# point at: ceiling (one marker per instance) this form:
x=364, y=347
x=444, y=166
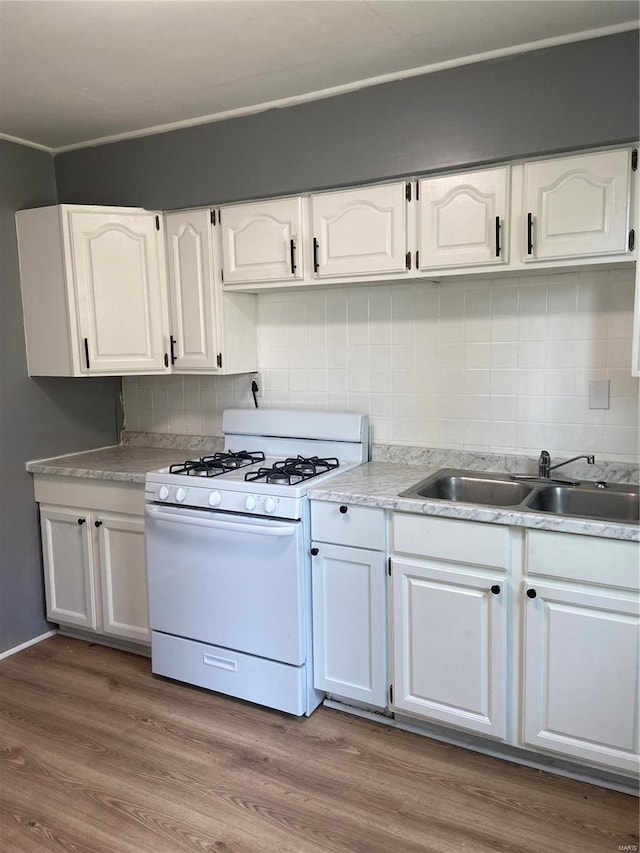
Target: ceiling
x=77, y=71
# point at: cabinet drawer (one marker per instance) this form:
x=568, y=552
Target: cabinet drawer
x=583, y=558
x=450, y=539
x=345, y=524
x=266, y=682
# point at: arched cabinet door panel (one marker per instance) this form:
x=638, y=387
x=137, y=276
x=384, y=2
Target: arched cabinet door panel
x=262, y=241
x=194, y=343
x=577, y=206
x=464, y=219
x=119, y=277
x=360, y=232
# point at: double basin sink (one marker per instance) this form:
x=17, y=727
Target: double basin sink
x=600, y=501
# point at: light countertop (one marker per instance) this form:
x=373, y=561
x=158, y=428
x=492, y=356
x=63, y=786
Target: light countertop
x=375, y=484
x=378, y=484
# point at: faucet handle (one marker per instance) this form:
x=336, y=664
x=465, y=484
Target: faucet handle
x=544, y=456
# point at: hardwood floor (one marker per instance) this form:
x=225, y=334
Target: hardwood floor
x=99, y=755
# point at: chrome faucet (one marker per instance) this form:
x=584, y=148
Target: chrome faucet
x=545, y=468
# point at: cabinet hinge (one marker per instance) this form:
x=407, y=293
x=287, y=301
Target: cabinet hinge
x=391, y=694
x=408, y=260
x=389, y=566
x=219, y=359
x=632, y=239
x=407, y=192
x=634, y=160
x=213, y=217
x=157, y=223
x=417, y=190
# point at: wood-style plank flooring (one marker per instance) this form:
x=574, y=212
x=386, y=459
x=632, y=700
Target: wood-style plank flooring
x=99, y=755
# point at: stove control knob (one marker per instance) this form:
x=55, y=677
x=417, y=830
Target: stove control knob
x=163, y=493
x=269, y=505
x=215, y=498
x=180, y=494
x=250, y=502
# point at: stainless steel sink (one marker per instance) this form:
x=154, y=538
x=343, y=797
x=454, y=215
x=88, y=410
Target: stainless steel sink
x=476, y=487
x=613, y=503
x=604, y=502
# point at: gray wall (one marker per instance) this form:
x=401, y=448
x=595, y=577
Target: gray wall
x=38, y=417
x=562, y=98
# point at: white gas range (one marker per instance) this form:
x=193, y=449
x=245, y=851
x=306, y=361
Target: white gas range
x=228, y=563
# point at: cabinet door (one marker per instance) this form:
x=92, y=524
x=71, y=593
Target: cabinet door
x=581, y=674
x=123, y=576
x=361, y=231
x=68, y=567
x=449, y=658
x=191, y=290
x=349, y=618
x=261, y=241
x=119, y=280
x=577, y=206
x=463, y=219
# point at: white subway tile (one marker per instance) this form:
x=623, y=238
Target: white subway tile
x=338, y=357
x=504, y=381
x=621, y=440
x=338, y=380
x=531, y=382
x=359, y=357
x=477, y=356
x=503, y=355
x=358, y=380
x=504, y=302
x=476, y=381
x=451, y=356
x=623, y=411
x=503, y=408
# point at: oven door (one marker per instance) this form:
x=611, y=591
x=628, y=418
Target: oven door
x=228, y=580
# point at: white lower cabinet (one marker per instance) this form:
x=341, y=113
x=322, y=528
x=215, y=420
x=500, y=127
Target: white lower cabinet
x=582, y=648
x=349, y=603
x=94, y=557
x=581, y=674
x=449, y=646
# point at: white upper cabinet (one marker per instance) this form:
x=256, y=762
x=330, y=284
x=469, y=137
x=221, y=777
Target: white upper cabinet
x=211, y=331
x=360, y=232
x=463, y=219
x=93, y=290
x=577, y=206
x=262, y=241
x=194, y=344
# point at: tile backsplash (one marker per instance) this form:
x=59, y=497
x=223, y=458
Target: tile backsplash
x=500, y=365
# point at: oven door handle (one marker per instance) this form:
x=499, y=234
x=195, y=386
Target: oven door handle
x=183, y=517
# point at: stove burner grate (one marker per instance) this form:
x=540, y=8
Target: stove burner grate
x=216, y=464
x=293, y=470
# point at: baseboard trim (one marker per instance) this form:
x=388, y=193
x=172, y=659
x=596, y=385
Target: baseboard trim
x=26, y=645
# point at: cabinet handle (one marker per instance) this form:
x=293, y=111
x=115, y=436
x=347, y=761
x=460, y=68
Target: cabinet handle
x=172, y=343
x=86, y=352
x=531, y=593
x=292, y=252
x=497, y=236
x=529, y=233
x=316, y=265
x=344, y=509
x=82, y=520
x=495, y=589
x=315, y=552
x=98, y=523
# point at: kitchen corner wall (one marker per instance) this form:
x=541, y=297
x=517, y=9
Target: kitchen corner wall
x=499, y=365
